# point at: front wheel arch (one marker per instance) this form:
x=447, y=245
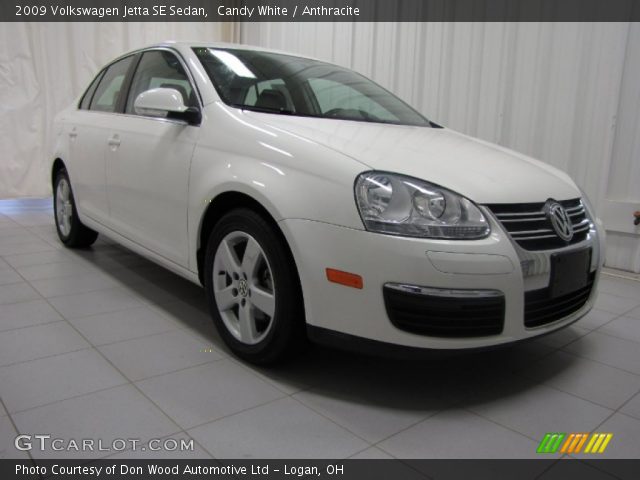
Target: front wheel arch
x=220, y=206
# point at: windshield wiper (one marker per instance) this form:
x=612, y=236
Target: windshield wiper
x=253, y=108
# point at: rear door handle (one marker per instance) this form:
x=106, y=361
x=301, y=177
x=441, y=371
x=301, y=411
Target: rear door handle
x=114, y=141
x=73, y=133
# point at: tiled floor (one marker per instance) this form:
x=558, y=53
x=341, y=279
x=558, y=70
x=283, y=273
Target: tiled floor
x=103, y=344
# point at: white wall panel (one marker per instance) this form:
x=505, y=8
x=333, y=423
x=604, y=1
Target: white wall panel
x=44, y=66
x=566, y=93
x=623, y=181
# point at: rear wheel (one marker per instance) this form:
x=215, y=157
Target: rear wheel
x=70, y=229
x=253, y=289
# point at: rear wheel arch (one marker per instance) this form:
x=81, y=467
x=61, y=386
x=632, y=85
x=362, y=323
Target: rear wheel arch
x=58, y=164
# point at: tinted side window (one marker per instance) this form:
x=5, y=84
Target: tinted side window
x=332, y=95
x=88, y=94
x=160, y=69
x=275, y=88
x=106, y=95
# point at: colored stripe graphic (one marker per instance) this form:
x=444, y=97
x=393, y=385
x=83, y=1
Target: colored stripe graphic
x=573, y=442
x=598, y=443
x=551, y=442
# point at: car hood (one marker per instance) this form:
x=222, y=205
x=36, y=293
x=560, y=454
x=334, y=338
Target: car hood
x=479, y=170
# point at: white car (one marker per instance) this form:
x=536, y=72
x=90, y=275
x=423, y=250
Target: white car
x=312, y=203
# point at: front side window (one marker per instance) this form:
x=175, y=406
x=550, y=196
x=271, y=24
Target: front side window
x=160, y=69
x=105, y=97
x=284, y=84
x=335, y=97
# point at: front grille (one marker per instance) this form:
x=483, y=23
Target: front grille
x=530, y=228
x=540, y=309
x=445, y=315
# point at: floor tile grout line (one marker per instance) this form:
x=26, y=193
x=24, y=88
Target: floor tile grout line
x=535, y=440
x=343, y=427
x=244, y=410
x=182, y=369
x=543, y=383
x=461, y=404
x=128, y=380
x=616, y=412
x=264, y=378
x=378, y=443
x=552, y=387
x=616, y=316
x=608, y=334
x=176, y=328
x=369, y=444
x=15, y=427
x=188, y=329
x=116, y=368
x=604, y=363
x=619, y=409
x=73, y=397
x=47, y=356
x=35, y=325
x=563, y=347
x=619, y=276
x=616, y=313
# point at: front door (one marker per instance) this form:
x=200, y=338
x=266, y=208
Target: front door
x=147, y=163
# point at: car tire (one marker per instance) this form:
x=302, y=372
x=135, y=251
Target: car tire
x=70, y=229
x=253, y=289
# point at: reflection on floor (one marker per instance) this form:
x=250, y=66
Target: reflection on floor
x=101, y=343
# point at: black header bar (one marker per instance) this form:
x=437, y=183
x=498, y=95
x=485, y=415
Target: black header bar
x=320, y=10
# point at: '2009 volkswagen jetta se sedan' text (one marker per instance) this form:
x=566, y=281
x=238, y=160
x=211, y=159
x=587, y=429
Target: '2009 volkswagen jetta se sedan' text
x=312, y=203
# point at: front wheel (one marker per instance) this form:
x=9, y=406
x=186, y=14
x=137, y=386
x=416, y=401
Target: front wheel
x=253, y=289
x=70, y=229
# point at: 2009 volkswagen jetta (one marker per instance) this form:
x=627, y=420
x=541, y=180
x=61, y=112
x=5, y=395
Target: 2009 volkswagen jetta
x=312, y=203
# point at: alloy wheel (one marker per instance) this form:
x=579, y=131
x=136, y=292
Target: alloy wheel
x=243, y=287
x=64, y=207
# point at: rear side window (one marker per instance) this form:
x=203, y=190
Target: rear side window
x=105, y=97
x=160, y=69
x=88, y=95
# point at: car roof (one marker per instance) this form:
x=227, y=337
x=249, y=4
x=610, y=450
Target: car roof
x=231, y=46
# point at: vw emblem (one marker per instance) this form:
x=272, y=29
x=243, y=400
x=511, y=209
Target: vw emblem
x=559, y=219
x=243, y=288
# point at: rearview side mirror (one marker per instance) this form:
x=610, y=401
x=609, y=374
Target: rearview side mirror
x=165, y=103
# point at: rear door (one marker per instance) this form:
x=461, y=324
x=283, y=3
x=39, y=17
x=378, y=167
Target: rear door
x=88, y=137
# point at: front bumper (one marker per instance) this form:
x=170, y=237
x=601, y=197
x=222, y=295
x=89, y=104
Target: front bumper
x=494, y=263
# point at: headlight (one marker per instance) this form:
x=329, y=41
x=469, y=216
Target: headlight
x=591, y=213
x=399, y=205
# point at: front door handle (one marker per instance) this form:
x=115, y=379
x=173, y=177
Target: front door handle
x=73, y=133
x=114, y=141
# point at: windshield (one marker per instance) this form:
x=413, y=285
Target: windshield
x=288, y=85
